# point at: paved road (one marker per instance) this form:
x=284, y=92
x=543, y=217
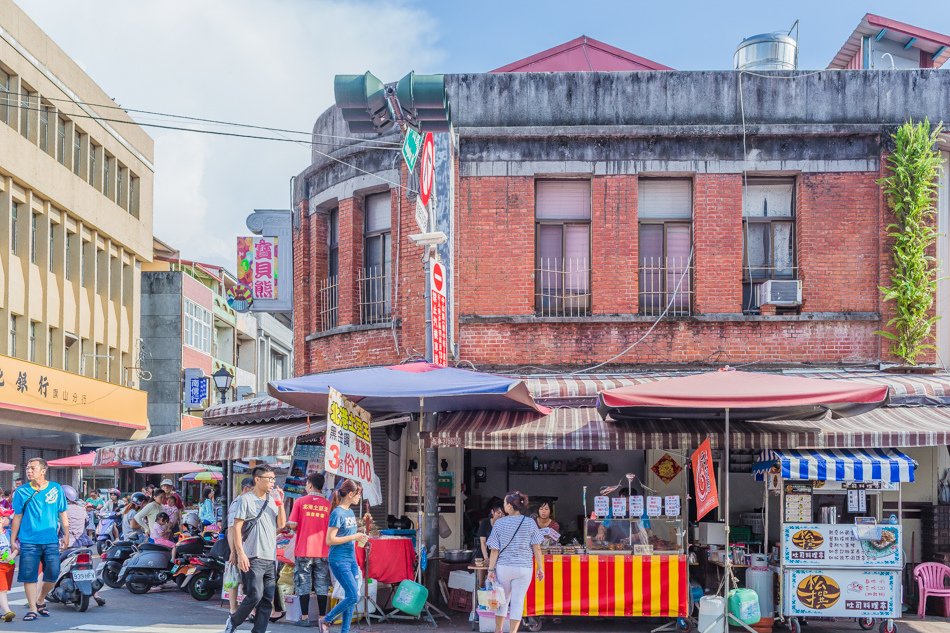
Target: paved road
x=171, y=611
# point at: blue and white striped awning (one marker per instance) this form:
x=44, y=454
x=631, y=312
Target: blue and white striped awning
x=872, y=464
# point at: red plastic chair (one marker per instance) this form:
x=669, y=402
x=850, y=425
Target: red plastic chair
x=932, y=582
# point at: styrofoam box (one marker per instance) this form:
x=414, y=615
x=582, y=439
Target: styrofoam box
x=464, y=580
x=486, y=623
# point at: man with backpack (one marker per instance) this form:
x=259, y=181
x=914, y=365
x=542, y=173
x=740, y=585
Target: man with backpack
x=258, y=516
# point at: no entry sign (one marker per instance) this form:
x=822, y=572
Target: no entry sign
x=440, y=345
x=427, y=169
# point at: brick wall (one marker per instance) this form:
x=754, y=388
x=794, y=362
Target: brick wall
x=841, y=256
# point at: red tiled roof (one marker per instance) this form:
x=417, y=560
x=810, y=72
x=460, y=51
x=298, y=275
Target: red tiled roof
x=581, y=54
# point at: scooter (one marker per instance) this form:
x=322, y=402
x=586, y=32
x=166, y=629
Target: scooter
x=206, y=579
x=105, y=531
x=77, y=580
x=115, y=555
x=151, y=566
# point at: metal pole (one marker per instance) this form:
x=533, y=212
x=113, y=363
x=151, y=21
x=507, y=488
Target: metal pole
x=728, y=584
x=431, y=469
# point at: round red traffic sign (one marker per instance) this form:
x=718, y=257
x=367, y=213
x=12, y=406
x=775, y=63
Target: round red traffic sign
x=438, y=276
x=427, y=169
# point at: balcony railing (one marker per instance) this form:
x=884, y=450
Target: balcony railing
x=328, y=303
x=375, y=301
x=562, y=287
x=666, y=281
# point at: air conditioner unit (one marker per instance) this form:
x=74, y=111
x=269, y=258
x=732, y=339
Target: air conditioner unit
x=781, y=292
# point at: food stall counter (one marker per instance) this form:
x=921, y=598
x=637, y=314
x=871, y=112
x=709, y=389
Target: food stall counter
x=610, y=585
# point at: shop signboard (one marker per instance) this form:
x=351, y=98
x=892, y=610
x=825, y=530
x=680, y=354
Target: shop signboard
x=704, y=480
x=197, y=388
x=438, y=298
x=349, y=449
x=842, y=593
x=836, y=545
x=257, y=266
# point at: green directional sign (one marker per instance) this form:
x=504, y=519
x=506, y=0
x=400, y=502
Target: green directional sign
x=411, y=145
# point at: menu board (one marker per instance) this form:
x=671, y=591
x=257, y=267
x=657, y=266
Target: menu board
x=601, y=506
x=654, y=506
x=848, y=593
x=636, y=506
x=816, y=544
x=671, y=506
x=857, y=501
x=798, y=508
x=619, y=506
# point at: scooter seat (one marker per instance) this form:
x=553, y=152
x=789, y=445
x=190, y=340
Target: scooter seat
x=153, y=547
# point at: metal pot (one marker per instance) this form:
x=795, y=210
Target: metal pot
x=458, y=555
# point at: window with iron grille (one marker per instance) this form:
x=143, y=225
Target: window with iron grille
x=768, y=235
x=329, y=286
x=562, y=247
x=374, y=281
x=665, y=215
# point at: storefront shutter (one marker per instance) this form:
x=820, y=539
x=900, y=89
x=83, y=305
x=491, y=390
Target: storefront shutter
x=381, y=457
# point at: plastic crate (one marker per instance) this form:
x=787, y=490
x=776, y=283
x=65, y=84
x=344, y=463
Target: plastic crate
x=460, y=600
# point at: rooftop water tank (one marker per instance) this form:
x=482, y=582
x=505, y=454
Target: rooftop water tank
x=768, y=51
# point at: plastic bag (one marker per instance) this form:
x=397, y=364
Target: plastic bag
x=285, y=580
x=232, y=576
x=492, y=597
x=339, y=593
x=289, y=549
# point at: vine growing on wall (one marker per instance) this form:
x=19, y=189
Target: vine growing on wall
x=910, y=188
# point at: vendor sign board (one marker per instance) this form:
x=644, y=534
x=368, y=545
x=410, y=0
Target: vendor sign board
x=636, y=506
x=602, y=506
x=654, y=506
x=704, y=480
x=307, y=458
x=349, y=449
x=848, y=593
x=815, y=544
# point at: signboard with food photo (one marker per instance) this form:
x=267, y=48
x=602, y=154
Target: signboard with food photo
x=849, y=593
x=839, y=545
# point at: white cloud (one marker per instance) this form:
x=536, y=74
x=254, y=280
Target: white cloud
x=266, y=63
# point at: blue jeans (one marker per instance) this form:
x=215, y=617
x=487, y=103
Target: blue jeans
x=31, y=555
x=345, y=571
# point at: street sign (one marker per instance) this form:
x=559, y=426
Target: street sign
x=410, y=147
x=422, y=216
x=437, y=283
x=427, y=170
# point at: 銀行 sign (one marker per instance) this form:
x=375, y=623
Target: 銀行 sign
x=257, y=265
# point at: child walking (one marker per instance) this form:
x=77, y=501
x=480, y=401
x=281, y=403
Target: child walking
x=6, y=566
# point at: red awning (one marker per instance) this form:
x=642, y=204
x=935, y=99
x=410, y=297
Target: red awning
x=748, y=396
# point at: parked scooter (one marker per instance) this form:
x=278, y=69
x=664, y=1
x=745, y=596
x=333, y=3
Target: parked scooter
x=206, y=579
x=151, y=566
x=112, y=560
x=77, y=580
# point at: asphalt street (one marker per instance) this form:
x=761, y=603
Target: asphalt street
x=169, y=611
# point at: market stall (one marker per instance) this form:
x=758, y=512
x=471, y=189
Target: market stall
x=836, y=569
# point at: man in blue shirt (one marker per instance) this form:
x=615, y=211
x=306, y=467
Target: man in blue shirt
x=39, y=508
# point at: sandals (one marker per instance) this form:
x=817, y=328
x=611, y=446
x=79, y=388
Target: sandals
x=324, y=627
x=30, y=616
x=42, y=610
x=8, y=616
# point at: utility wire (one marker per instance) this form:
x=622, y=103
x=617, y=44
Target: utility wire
x=216, y=121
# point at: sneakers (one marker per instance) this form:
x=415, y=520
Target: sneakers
x=228, y=626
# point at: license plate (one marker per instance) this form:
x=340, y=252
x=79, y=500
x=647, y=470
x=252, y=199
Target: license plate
x=84, y=574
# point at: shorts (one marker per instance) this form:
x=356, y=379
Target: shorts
x=311, y=575
x=31, y=555
x=6, y=576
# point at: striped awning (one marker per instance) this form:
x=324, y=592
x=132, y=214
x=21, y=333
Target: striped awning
x=214, y=443
x=888, y=426
x=252, y=411
x=876, y=464
x=584, y=429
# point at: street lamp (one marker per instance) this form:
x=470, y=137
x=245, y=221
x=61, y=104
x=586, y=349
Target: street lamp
x=222, y=381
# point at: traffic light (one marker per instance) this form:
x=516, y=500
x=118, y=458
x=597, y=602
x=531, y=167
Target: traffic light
x=423, y=101
x=363, y=101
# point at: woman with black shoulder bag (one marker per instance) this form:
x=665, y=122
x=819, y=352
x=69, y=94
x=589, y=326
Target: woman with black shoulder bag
x=515, y=544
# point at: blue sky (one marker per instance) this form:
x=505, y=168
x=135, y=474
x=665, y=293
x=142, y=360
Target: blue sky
x=685, y=35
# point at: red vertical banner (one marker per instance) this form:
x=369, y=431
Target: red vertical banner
x=704, y=479
x=438, y=278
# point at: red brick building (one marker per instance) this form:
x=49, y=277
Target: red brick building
x=626, y=218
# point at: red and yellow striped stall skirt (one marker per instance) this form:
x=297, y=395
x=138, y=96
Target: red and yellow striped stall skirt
x=611, y=586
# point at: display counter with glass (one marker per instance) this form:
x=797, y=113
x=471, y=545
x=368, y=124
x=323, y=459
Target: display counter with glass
x=638, y=535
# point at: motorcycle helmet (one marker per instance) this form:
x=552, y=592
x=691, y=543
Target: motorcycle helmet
x=139, y=499
x=71, y=495
x=115, y=491
x=192, y=521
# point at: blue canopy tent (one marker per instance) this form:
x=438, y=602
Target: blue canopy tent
x=408, y=388
x=879, y=464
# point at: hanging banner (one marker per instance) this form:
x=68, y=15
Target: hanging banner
x=704, y=480
x=257, y=266
x=349, y=449
x=307, y=458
